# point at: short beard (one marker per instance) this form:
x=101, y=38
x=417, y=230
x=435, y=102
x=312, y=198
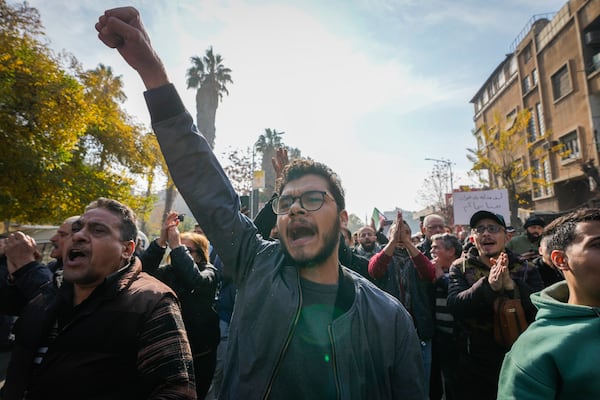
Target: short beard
x=533, y=237
x=368, y=247
x=330, y=241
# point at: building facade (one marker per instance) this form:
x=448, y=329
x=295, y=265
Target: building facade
x=553, y=70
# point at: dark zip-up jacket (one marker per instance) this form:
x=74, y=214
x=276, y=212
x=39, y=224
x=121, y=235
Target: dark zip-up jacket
x=125, y=341
x=471, y=299
x=376, y=353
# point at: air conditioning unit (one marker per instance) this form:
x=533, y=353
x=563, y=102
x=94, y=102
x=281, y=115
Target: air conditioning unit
x=592, y=38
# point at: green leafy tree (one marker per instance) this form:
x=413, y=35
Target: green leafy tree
x=209, y=77
x=111, y=137
x=502, y=158
x=43, y=113
x=64, y=137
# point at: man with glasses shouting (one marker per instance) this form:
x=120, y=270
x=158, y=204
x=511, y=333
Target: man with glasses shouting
x=304, y=327
x=488, y=271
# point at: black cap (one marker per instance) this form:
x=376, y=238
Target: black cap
x=533, y=221
x=510, y=229
x=479, y=215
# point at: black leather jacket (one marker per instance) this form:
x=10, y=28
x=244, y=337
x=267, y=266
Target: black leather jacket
x=376, y=350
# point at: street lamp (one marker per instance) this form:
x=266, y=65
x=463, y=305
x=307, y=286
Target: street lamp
x=448, y=164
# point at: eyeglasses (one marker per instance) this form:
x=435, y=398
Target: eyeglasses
x=490, y=228
x=310, y=201
x=191, y=250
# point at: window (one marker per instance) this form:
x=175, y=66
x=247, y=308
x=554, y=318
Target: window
x=548, y=177
x=511, y=117
x=526, y=84
x=501, y=78
x=570, y=146
x=480, y=139
x=527, y=54
x=541, y=178
x=512, y=68
x=540, y=118
x=531, y=129
x=536, y=175
x=561, y=83
x=534, y=77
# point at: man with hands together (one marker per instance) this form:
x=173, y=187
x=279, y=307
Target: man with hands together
x=407, y=274
x=486, y=272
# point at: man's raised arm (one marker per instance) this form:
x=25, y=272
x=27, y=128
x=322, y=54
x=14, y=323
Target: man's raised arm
x=122, y=29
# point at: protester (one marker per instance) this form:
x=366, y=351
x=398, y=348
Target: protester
x=432, y=224
x=367, y=242
x=527, y=244
x=445, y=248
x=303, y=326
x=115, y=332
x=266, y=220
x=404, y=272
x=6, y=321
x=510, y=232
x=15, y=295
x=487, y=272
x=549, y=273
x=556, y=357
x=194, y=280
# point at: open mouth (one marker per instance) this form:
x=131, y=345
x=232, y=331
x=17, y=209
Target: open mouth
x=74, y=254
x=300, y=233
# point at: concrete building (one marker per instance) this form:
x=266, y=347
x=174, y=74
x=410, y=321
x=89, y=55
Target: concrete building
x=552, y=70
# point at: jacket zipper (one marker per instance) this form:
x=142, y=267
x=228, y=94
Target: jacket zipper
x=333, y=360
x=287, y=341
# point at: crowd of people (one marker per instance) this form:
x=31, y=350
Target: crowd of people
x=292, y=305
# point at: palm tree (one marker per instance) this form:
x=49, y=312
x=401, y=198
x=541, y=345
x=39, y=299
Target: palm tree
x=267, y=145
x=209, y=77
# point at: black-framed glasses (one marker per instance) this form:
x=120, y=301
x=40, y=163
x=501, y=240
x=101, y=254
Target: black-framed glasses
x=310, y=201
x=191, y=250
x=490, y=228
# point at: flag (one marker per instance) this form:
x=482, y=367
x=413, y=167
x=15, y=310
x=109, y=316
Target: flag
x=378, y=219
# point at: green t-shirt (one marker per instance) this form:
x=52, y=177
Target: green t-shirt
x=306, y=371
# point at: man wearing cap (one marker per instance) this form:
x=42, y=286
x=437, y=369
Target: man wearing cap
x=527, y=244
x=486, y=272
x=510, y=232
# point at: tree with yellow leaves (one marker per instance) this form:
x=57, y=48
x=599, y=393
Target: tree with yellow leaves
x=504, y=155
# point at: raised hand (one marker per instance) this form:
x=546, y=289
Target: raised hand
x=122, y=29
x=169, y=233
x=280, y=161
x=404, y=234
x=498, y=272
x=20, y=250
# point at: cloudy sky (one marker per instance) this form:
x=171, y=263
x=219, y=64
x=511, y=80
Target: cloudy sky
x=369, y=87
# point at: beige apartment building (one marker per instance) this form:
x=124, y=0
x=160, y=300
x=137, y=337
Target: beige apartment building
x=553, y=70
